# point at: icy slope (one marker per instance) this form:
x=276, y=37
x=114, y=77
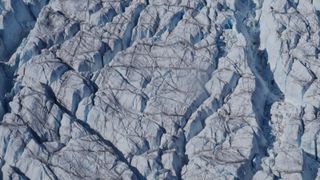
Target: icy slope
x=159, y=89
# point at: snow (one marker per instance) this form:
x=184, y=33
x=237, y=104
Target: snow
x=159, y=89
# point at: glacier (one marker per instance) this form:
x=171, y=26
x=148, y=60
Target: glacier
x=159, y=89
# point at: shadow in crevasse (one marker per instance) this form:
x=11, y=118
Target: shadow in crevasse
x=310, y=166
x=266, y=90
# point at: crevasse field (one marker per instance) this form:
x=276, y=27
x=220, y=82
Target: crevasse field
x=159, y=89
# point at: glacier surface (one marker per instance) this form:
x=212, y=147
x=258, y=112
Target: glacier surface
x=159, y=89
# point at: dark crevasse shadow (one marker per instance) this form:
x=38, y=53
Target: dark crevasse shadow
x=6, y=85
x=318, y=48
x=16, y=25
x=266, y=90
x=310, y=166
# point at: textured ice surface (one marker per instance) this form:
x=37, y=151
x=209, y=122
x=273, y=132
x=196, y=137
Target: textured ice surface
x=159, y=89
